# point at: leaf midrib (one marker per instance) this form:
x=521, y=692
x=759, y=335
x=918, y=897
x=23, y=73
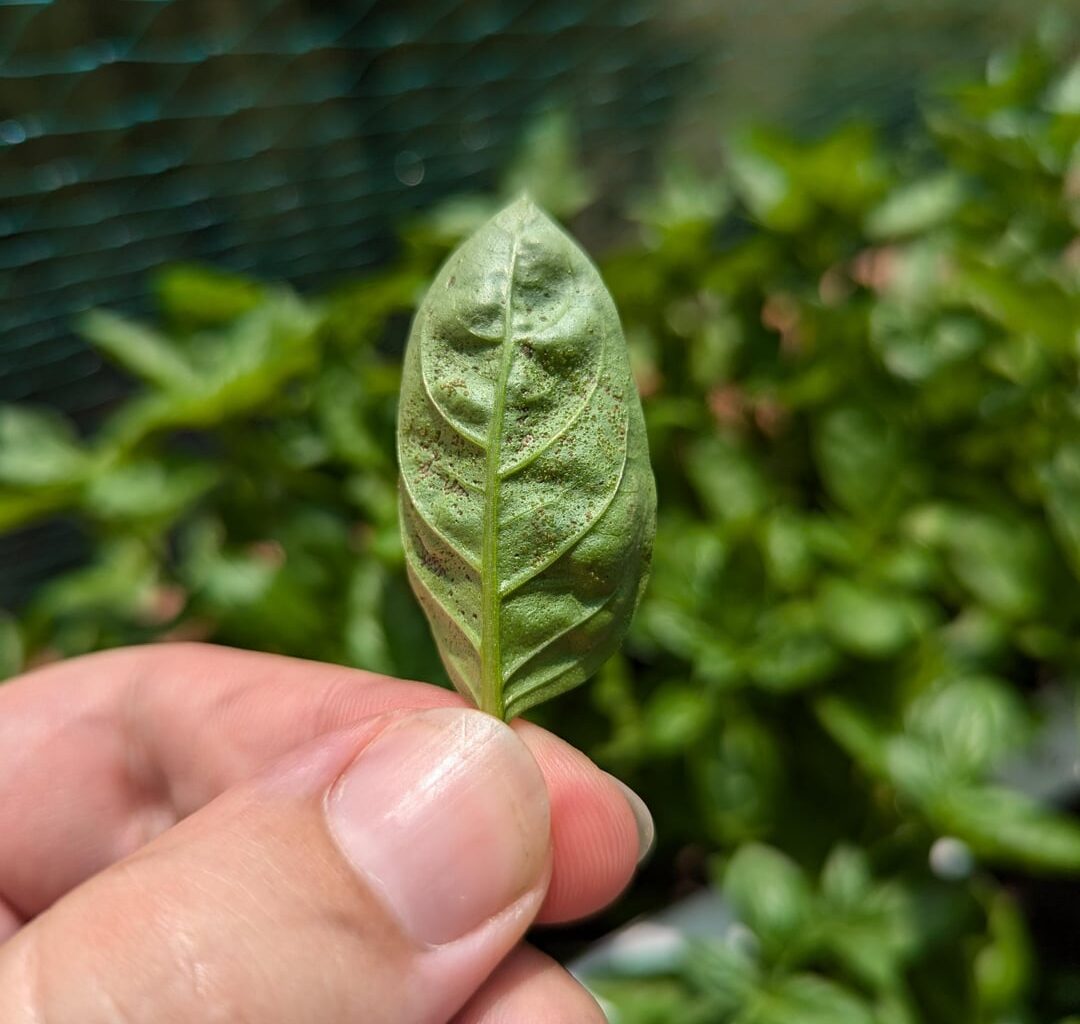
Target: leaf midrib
x=491, y=680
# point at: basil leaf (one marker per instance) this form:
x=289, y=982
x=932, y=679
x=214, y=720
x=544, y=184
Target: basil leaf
x=527, y=500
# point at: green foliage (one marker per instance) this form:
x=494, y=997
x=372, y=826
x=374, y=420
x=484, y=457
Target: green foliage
x=527, y=500
x=859, y=365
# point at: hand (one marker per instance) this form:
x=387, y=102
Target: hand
x=190, y=833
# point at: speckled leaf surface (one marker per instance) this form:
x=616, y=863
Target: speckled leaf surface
x=527, y=499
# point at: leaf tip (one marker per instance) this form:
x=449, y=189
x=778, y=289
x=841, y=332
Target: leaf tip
x=521, y=210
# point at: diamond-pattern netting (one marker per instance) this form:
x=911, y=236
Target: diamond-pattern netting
x=271, y=136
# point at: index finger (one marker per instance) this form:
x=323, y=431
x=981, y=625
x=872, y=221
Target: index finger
x=102, y=753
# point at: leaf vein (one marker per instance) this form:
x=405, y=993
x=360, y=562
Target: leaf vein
x=539, y=649
x=466, y=631
x=470, y=560
x=522, y=578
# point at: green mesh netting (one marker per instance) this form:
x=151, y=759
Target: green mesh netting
x=273, y=136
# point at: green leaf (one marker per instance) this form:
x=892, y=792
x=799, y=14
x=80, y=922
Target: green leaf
x=869, y=927
x=1000, y=825
x=119, y=582
x=146, y=490
x=1001, y=560
x=762, y=174
x=1003, y=967
x=792, y=650
x=237, y=369
x=675, y=717
x=547, y=166
x=859, y=455
x=769, y=893
x=806, y=999
x=729, y=484
x=527, y=499
x=868, y=621
x=785, y=543
x=686, y=200
x=143, y=351
x=11, y=646
x=1064, y=95
x=723, y=973
x=1009, y=828
x=914, y=348
x=845, y=878
x=18, y=506
x=1060, y=480
x=971, y=721
x=38, y=449
x=739, y=779
x=365, y=637
x=194, y=296
x=917, y=207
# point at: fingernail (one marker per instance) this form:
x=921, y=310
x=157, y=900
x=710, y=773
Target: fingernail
x=445, y=815
x=646, y=830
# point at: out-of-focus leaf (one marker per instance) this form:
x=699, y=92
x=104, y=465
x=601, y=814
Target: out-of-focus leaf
x=917, y=207
x=1040, y=311
x=1000, y=825
x=1061, y=493
x=147, y=491
x=784, y=184
x=914, y=348
x=868, y=621
x=726, y=480
x=1003, y=965
x=860, y=458
x=243, y=361
x=725, y=975
x=685, y=200
x=686, y=576
x=806, y=999
x=769, y=893
x=226, y=579
x=365, y=637
x=238, y=368
x=971, y=721
x=869, y=927
x=1001, y=562
x=118, y=583
x=758, y=164
x=856, y=732
x=1064, y=94
x=548, y=169
x=740, y=779
x=675, y=717
x=714, y=347
x=343, y=411
x=846, y=879
x=11, y=646
x=651, y=1001
x=787, y=549
x=792, y=649
x=38, y=449
x=20, y=506
x=1008, y=828
x=136, y=347
x=193, y=296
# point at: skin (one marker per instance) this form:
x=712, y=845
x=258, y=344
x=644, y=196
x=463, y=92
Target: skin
x=165, y=853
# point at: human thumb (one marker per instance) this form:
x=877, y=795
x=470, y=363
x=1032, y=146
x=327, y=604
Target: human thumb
x=379, y=874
